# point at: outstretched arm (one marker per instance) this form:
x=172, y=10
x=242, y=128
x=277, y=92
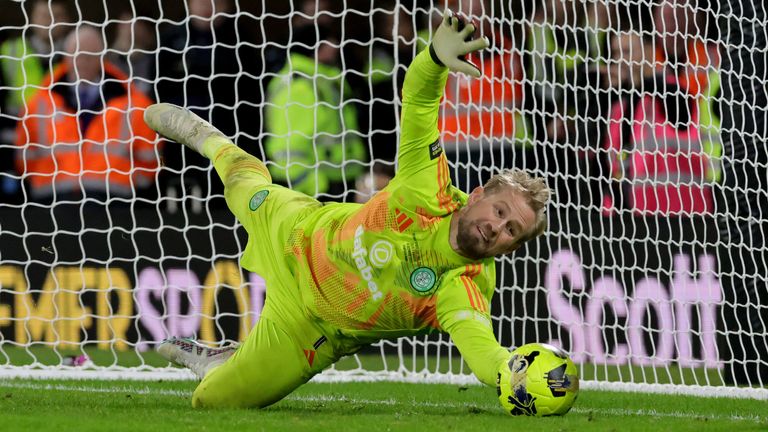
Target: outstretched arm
x=463, y=312
x=423, y=89
x=481, y=351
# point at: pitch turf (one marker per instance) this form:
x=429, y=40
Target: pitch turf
x=31, y=405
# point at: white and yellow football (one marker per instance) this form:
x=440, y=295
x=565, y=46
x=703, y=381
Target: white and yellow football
x=538, y=380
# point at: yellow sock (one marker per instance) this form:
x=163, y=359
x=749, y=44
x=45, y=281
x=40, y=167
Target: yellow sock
x=231, y=161
x=212, y=145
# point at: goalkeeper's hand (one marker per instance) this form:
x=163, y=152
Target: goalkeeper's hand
x=451, y=43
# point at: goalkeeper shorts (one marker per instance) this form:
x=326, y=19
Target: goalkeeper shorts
x=287, y=346
x=283, y=351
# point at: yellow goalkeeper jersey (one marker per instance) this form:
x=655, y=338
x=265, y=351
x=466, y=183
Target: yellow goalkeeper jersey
x=386, y=269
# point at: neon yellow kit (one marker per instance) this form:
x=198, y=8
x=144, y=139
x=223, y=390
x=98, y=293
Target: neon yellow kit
x=340, y=276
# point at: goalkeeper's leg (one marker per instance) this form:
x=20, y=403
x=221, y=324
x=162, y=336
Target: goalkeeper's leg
x=282, y=352
x=240, y=172
x=247, y=183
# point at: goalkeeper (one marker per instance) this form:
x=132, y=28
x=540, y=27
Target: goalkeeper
x=417, y=258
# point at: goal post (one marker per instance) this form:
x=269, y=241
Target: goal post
x=647, y=120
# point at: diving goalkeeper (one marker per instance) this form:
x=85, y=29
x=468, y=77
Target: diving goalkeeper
x=417, y=258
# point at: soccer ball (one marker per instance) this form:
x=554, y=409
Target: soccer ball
x=538, y=380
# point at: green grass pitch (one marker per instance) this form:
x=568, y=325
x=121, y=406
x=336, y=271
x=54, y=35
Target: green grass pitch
x=144, y=406
x=37, y=405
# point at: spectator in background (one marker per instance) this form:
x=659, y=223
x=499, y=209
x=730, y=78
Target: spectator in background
x=206, y=64
x=627, y=75
x=24, y=64
x=614, y=71
x=562, y=41
x=695, y=64
x=391, y=49
x=654, y=145
x=82, y=135
x=313, y=141
x=133, y=50
x=555, y=47
x=304, y=15
x=679, y=50
x=27, y=58
x=710, y=114
x=482, y=119
x=487, y=108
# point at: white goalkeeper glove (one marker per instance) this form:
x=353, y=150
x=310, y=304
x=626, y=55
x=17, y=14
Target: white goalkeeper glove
x=451, y=43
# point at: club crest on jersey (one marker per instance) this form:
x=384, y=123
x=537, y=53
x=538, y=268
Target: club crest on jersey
x=423, y=279
x=257, y=199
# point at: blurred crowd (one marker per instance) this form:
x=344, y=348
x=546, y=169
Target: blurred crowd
x=616, y=104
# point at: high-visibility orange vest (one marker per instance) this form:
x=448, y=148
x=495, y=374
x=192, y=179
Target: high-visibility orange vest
x=485, y=107
x=695, y=78
x=115, y=154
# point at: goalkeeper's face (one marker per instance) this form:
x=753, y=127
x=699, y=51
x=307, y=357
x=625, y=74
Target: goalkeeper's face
x=493, y=224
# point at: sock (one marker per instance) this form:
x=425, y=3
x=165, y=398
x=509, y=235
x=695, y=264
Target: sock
x=232, y=162
x=213, y=144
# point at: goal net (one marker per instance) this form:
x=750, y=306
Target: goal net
x=647, y=120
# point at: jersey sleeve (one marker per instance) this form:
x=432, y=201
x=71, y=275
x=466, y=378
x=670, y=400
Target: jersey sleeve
x=423, y=179
x=479, y=348
x=463, y=312
x=419, y=137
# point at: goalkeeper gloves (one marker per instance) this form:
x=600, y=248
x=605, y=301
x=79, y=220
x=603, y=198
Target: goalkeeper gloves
x=451, y=43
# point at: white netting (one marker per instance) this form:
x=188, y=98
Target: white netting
x=648, y=121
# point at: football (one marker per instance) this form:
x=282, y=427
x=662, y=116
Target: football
x=537, y=380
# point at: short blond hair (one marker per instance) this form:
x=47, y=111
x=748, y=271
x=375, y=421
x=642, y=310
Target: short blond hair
x=535, y=190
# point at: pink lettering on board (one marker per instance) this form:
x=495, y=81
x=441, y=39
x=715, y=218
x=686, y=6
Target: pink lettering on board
x=670, y=337
x=149, y=283
x=703, y=293
x=649, y=292
x=182, y=282
x=566, y=264
x=606, y=292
